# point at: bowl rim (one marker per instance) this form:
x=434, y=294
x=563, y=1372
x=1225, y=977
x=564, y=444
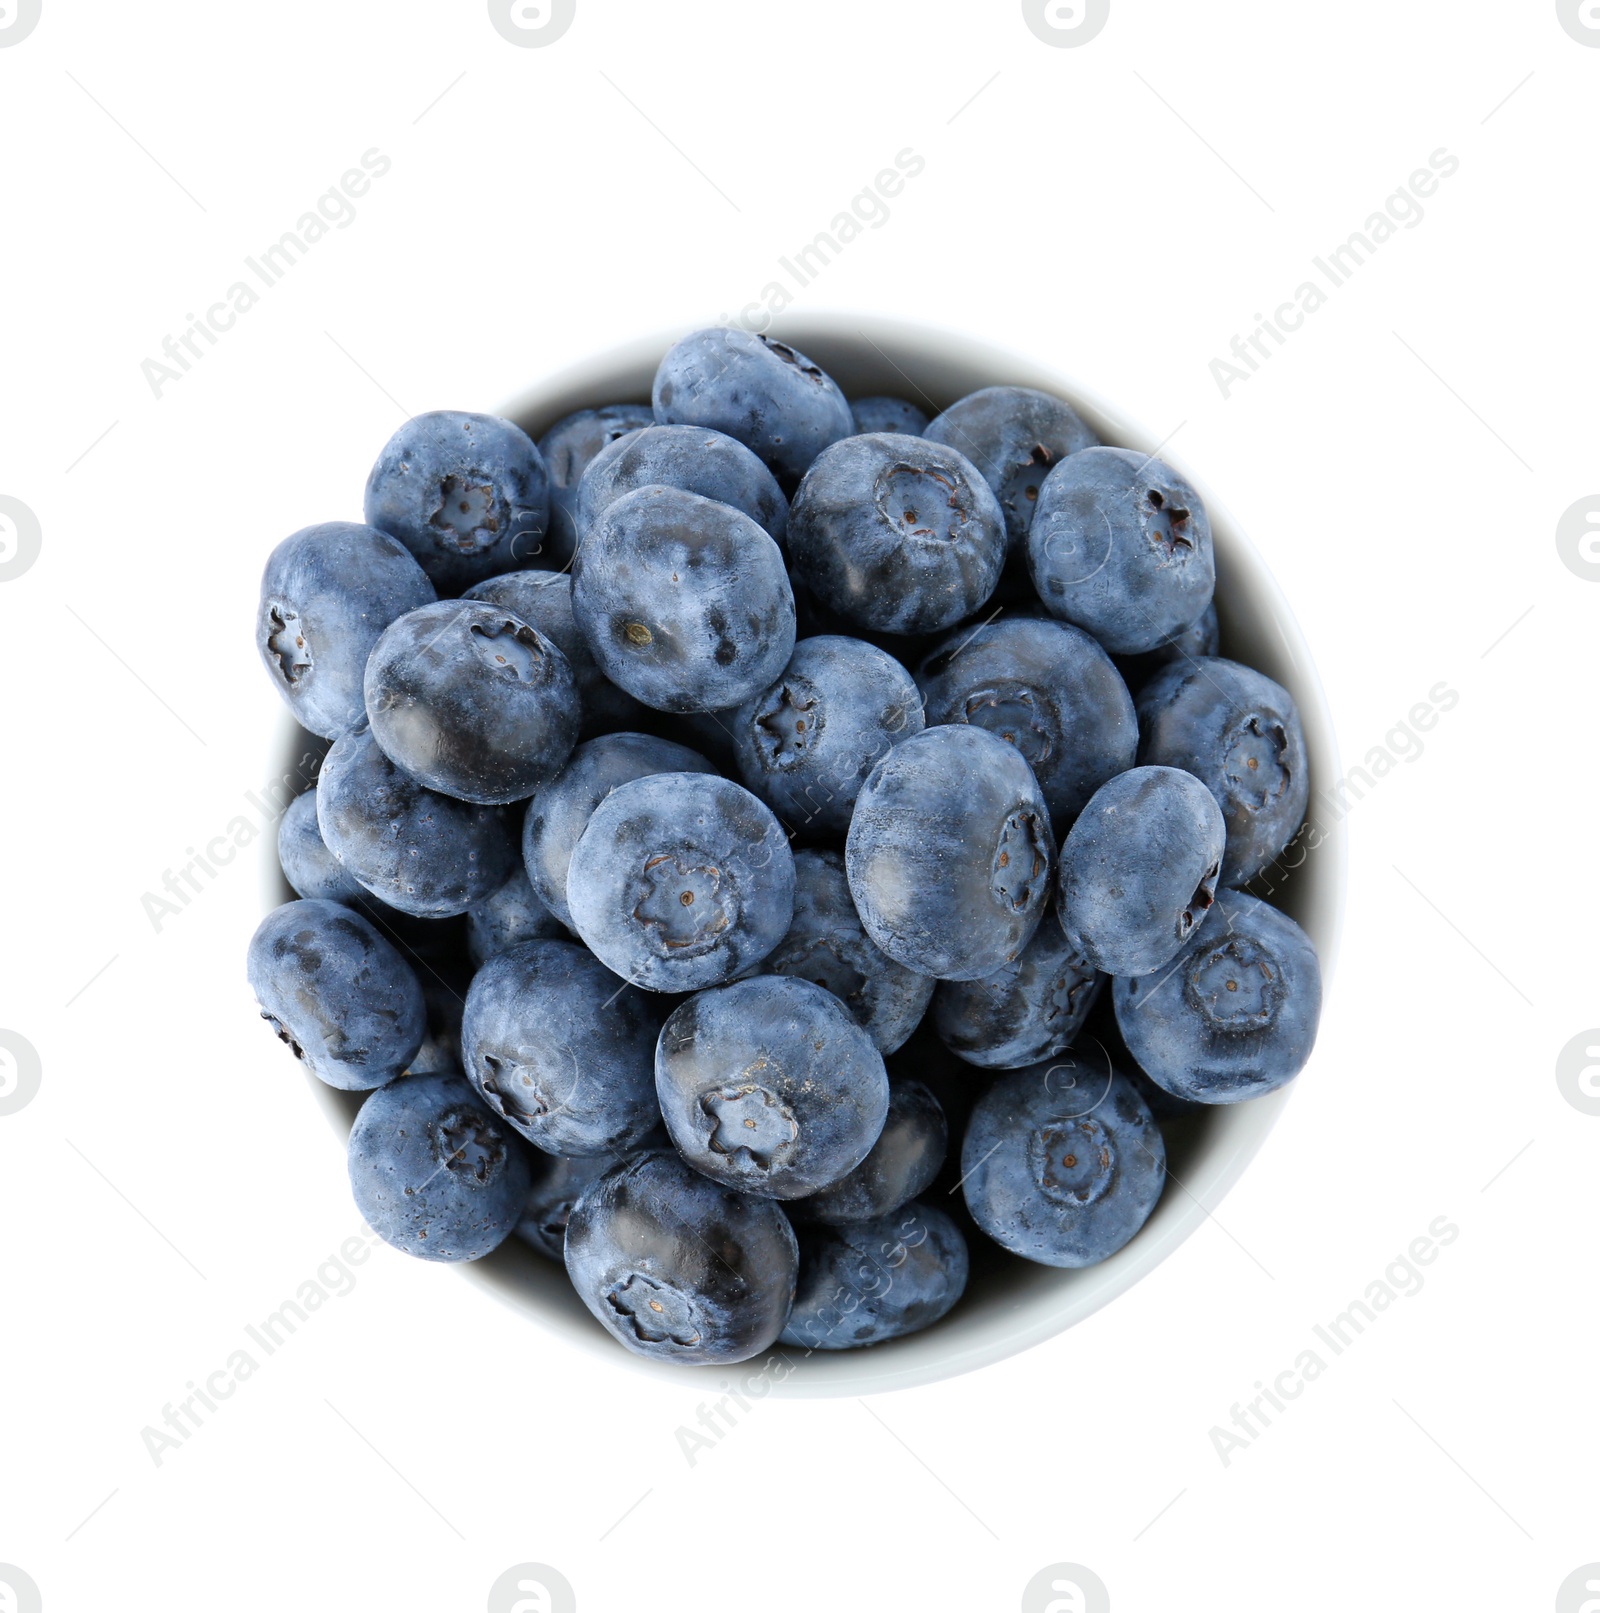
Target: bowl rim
x=1254, y=608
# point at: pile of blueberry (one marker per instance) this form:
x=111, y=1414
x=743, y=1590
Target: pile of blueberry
x=735, y=806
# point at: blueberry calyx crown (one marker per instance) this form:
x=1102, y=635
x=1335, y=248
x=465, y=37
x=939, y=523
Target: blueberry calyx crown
x=1020, y=864
x=656, y=1312
x=1256, y=762
x=684, y=906
x=1167, y=525
x=286, y=641
x=1236, y=985
x=788, y=725
x=512, y=1090
x=910, y=499
x=468, y=1145
x=1012, y=712
x=745, y=1118
x=1200, y=903
x=1074, y=1161
x=509, y=648
x=465, y=517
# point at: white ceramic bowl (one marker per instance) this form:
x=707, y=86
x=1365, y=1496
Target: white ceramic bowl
x=1009, y=1304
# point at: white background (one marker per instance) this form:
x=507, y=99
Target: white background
x=1120, y=211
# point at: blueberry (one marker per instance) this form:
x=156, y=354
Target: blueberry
x=691, y=458
x=949, y=853
x=876, y=1280
x=472, y=702
x=425, y=853
x=1201, y=637
x=1235, y=1015
x=676, y=1267
x=1121, y=546
x=806, y=743
x=1016, y=437
x=560, y=812
x=543, y=599
x=467, y=494
x=827, y=946
x=1045, y=688
x=902, y=1163
x=681, y=881
x=327, y=594
x=557, y=1182
x=1239, y=733
x=567, y=449
x=769, y=1086
x=336, y=993
x=433, y=1172
x=311, y=869
x=1138, y=872
x=887, y=414
x=897, y=533
x=512, y=915
x=1064, y=1161
x=683, y=602
x=561, y=1049
x=759, y=391
x=1025, y=1011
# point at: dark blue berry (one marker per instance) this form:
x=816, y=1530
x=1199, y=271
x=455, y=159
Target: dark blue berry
x=901, y=1164
x=1063, y=1161
x=1025, y=1011
x=327, y=594
x=1235, y=1014
x=560, y=812
x=1139, y=870
x=1047, y=689
x=472, y=702
x=433, y=1172
x=1239, y=733
x=425, y=853
x=757, y=390
x=681, y=881
x=950, y=852
x=876, y=1280
x=543, y=599
x=567, y=449
x=896, y=533
x=691, y=458
x=770, y=1087
x=678, y=1268
x=467, y=494
x=336, y=993
x=1015, y=436
x=1121, y=546
x=561, y=1049
x=683, y=602
x=806, y=743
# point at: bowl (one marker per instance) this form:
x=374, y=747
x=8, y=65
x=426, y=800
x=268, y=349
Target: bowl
x=1010, y=1304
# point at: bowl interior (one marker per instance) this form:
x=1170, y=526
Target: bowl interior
x=1010, y=1304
